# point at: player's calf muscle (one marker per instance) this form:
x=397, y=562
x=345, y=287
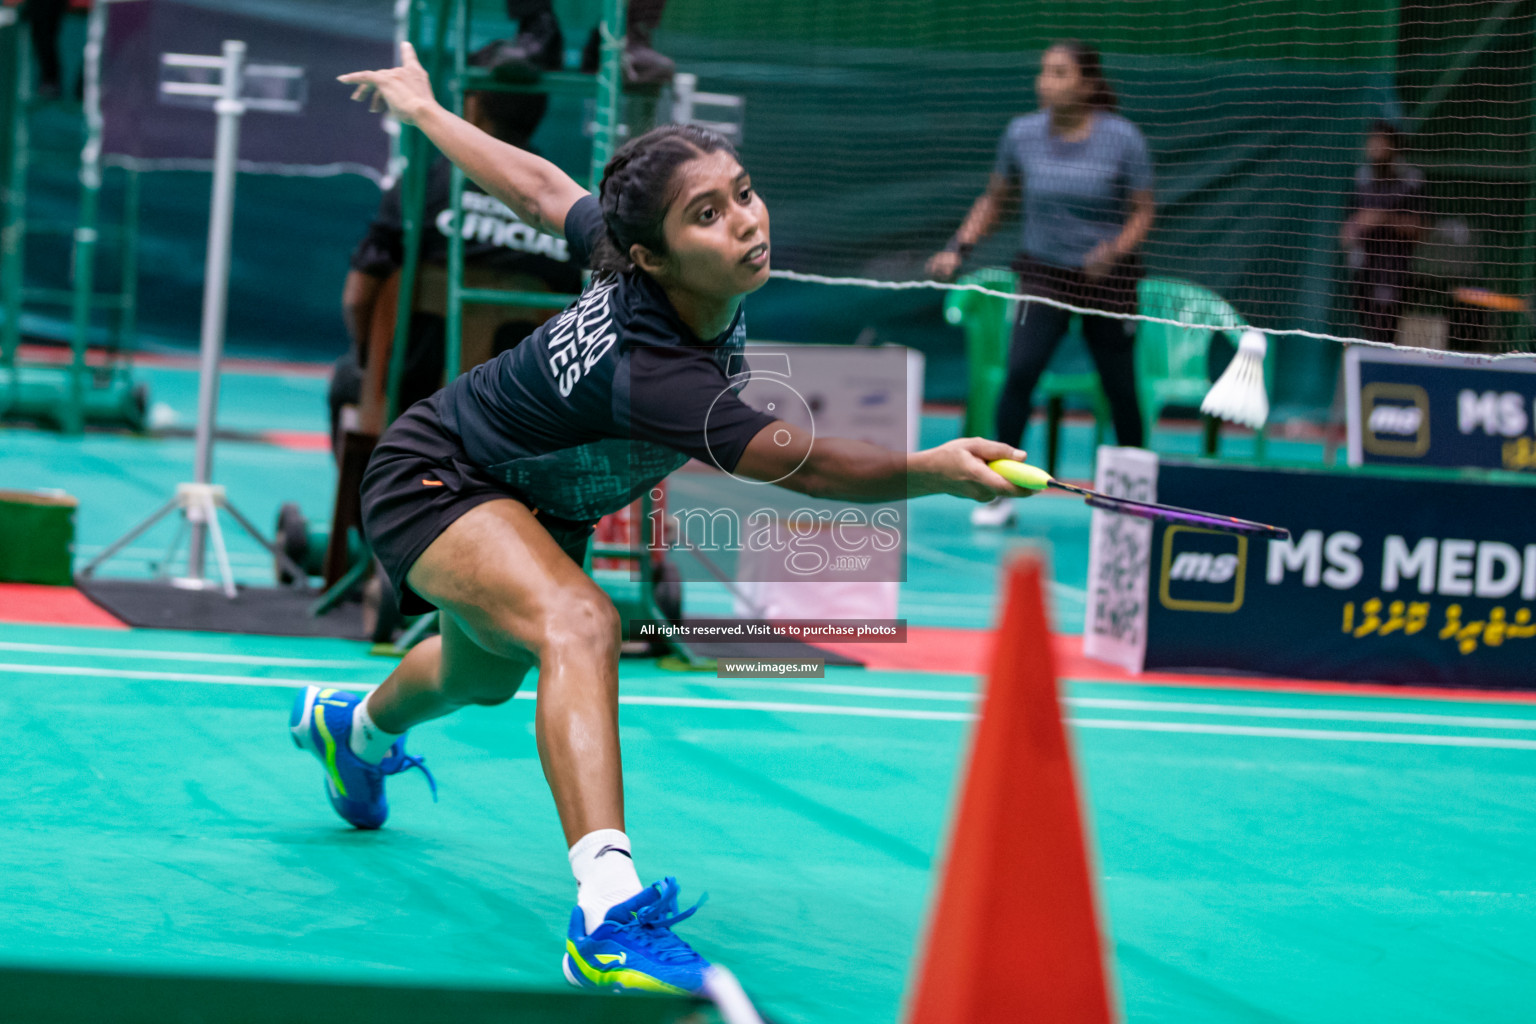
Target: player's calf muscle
x=486, y=680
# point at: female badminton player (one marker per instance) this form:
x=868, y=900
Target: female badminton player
x=1085, y=181
x=479, y=500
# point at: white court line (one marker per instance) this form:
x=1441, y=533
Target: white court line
x=1336, y=735
x=1070, y=591
x=785, y=708
x=936, y=716
x=1132, y=725
x=252, y=559
x=172, y=677
x=1257, y=711
x=381, y=663
x=833, y=688
x=223, y=659
x=778, y=707
x=1168, y=707
x=940, y=557
x=677, y=702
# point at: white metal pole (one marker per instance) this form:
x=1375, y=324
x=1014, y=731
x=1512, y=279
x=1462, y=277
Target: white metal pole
x=216, y=281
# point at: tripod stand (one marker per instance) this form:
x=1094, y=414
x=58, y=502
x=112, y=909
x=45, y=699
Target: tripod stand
x=200, y=501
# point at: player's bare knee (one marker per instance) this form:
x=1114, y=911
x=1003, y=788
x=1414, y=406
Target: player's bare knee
x=581, y=620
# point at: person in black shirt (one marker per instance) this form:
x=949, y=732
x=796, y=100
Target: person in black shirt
x=496, y=244
x=47, y=18
x=539, y=45
x=1386, y=221
x=479, y=501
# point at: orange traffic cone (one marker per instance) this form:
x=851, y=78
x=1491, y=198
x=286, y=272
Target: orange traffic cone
x=1015, y=934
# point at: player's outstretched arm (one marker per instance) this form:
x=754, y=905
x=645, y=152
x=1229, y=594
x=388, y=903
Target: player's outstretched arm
x=846, y=470
x=540, y=193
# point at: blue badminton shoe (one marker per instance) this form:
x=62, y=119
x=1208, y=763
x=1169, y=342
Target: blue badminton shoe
x=321, y=723
x=634, y=947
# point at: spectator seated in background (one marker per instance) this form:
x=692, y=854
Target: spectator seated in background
x=539, y=45
x=47, y=20
x=1386, y=221
x=500, y=251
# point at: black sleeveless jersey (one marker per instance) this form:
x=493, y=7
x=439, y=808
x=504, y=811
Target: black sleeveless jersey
x=603, y=401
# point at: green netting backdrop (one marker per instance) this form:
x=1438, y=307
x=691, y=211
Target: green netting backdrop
x=870, y=127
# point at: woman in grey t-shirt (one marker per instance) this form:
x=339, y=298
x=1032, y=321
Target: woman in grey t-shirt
x=1083, y=179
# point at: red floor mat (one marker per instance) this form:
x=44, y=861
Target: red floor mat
x=299, y=440
x=53, y=606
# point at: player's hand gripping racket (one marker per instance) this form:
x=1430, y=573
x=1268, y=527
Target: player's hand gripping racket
x=1035, y=479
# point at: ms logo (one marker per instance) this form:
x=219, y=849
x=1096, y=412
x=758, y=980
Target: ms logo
x=1202, y=570
x=1396, y=419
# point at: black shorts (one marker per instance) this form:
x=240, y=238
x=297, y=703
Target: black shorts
x=418, y=482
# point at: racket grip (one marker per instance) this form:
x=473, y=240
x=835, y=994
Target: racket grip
x=1021, y=474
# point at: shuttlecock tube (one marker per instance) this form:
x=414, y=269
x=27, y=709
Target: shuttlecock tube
x=1239, y=396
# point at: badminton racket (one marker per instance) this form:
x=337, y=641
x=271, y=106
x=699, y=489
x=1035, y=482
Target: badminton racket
x=1035, y=479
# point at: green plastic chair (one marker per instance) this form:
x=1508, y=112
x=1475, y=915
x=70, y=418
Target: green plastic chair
x=986, y=320
x=988, y=323
x=1172, y=363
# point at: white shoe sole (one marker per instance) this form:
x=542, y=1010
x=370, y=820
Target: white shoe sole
x=301, y=732
x=565, y=968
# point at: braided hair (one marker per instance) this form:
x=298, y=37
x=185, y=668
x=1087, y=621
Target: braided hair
x=638, y=188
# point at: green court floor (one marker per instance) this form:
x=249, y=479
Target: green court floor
x=1264, y=856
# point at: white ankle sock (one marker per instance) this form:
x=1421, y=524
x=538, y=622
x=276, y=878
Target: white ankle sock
x=605, y=873
x=368, y=741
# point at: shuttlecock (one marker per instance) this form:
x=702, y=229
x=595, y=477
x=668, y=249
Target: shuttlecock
x=1238, y=396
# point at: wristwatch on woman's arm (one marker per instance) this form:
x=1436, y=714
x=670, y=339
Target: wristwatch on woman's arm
x=959, y=248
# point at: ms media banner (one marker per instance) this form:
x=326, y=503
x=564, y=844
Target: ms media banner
x=1413, y=577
